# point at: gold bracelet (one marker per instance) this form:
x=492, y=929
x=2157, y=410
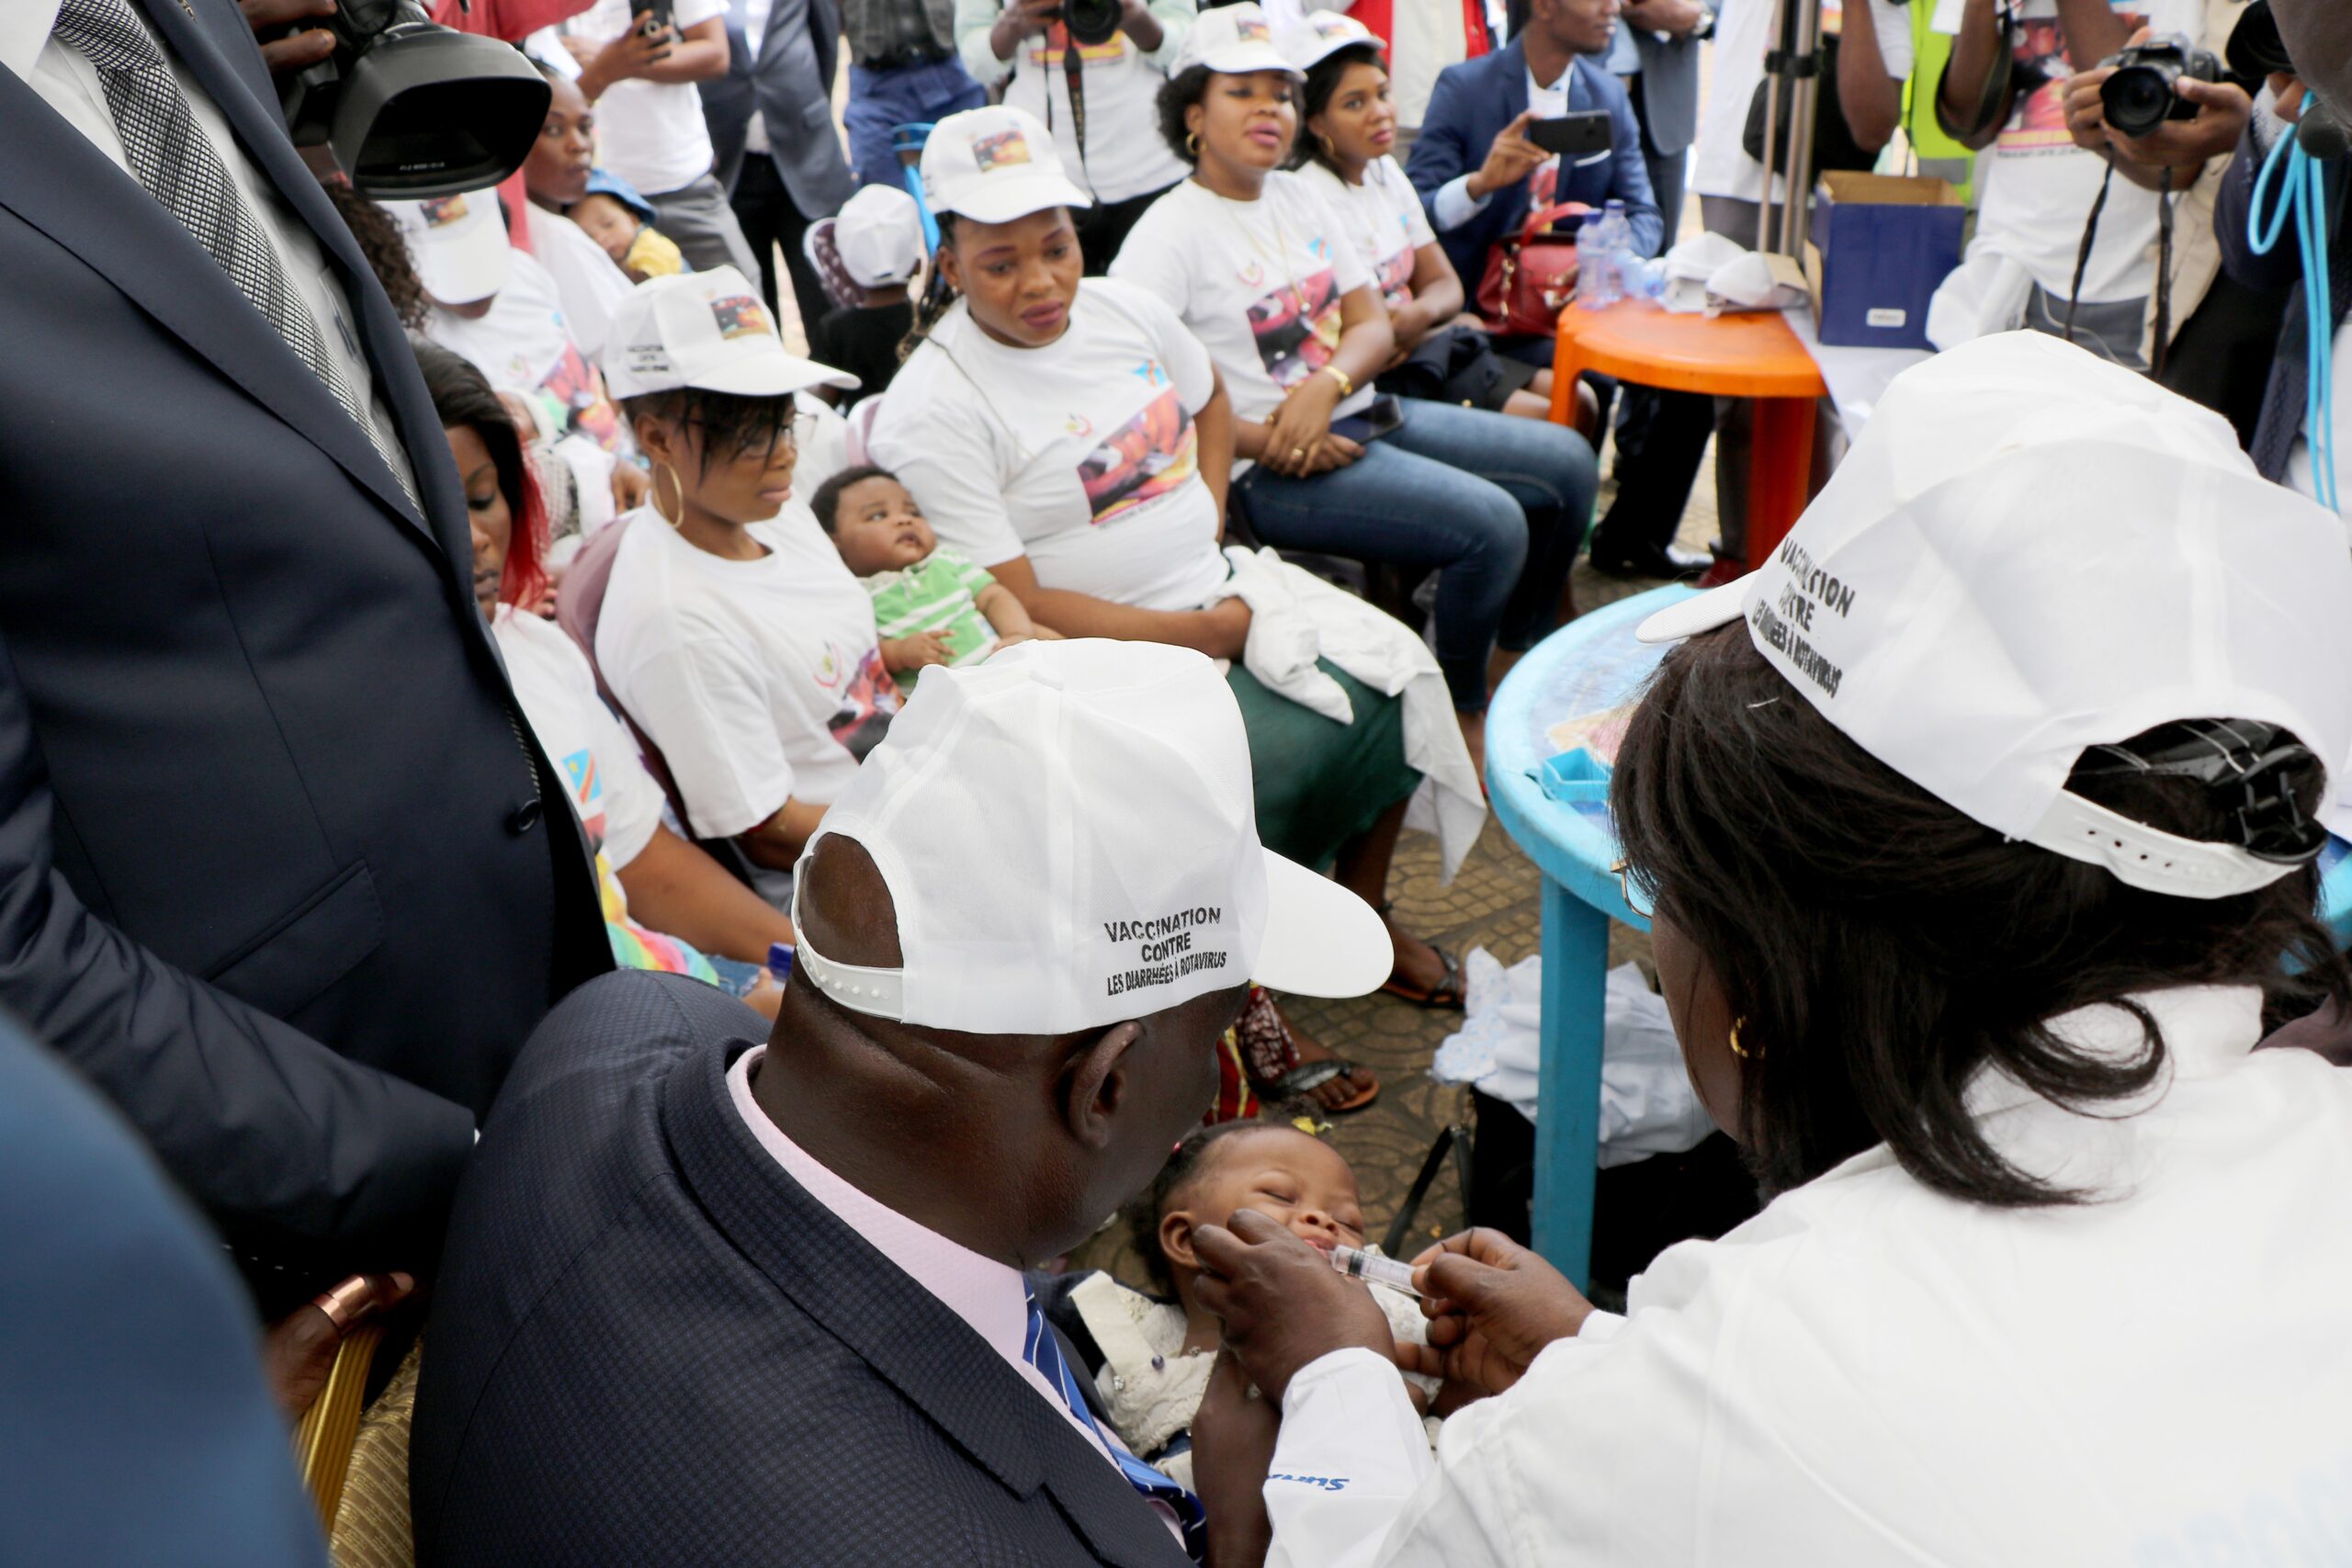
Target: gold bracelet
x=1347, y=388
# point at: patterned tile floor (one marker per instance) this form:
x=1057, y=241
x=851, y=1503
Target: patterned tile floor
x=1494, y=904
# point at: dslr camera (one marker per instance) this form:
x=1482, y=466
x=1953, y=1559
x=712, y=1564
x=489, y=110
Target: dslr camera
x=1092, y=21
x=2138, y=97
x=413, y=109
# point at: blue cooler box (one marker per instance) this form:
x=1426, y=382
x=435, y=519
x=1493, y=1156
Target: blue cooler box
x=1881, y=245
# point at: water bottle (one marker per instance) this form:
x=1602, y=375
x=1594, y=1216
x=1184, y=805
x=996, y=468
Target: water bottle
x=1596, y=265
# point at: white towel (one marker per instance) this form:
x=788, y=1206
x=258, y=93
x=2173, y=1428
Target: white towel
x=1295, y=617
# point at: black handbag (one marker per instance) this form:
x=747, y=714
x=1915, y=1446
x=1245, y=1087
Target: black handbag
x=1834, y=146
x=1458, y=365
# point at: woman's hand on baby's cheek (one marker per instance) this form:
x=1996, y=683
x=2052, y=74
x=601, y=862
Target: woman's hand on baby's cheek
x=1282, y=1303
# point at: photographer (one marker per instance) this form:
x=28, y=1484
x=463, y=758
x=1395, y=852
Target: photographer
x=2006, y=87
x=1100, y=107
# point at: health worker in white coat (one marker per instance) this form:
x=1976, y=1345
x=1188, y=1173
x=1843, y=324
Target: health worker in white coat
x=1977, y=825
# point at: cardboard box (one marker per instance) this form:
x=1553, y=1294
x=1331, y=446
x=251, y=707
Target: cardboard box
x=1882, y=244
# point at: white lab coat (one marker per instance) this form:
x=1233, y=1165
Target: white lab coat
x=1869, y=1372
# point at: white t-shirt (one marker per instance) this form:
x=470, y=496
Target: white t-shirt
x=650, y=133
x=1383, y=218
x=524, y=345
x=2036, y=188
x=760, y=680
x=1258, y=282
x=618, y=802
x=1081, y=454
x=1124, y=154
x=587, y=284
x=1720, y=164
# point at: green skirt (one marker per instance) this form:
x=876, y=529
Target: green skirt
x=1319, y=782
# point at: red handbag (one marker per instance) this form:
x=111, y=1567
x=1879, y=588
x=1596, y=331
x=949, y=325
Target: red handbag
x=1531, y=276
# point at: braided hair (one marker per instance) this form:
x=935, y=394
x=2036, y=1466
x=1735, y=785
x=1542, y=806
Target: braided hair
x=938, y=296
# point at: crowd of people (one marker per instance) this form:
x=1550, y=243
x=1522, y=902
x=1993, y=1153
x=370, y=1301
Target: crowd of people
x=706, y=758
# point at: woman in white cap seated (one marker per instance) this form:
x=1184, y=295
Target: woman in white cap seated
x=1264, y=274
x=1074, y=439
x=730, y=631
x=1979, y=824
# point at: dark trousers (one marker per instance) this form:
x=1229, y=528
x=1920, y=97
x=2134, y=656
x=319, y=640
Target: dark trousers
x=1103, y=229
x=770, y=220
x=1661, y=437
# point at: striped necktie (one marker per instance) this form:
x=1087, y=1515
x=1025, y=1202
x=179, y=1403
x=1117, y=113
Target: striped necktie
x=170, y=155
x=1041, y=1350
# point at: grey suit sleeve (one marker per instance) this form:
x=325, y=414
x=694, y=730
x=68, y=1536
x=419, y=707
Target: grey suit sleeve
x=299, y=1157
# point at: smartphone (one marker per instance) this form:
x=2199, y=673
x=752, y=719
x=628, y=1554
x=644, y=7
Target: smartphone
x=1380, y=416
x=659, y=18
x=1575, y=135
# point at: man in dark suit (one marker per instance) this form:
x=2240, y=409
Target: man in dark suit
x=276, y=872
x=138, y=1429
x=711, y=1301
x=780, y=81
x=1478, y=176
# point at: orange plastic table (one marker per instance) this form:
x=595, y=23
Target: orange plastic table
x=1747, y=355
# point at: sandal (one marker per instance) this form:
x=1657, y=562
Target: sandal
x=1449, y=994
x=1270, y=1055
x=1303, y=1080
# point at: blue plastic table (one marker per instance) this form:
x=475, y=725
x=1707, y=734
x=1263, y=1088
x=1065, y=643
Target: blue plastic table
x=1587, y=666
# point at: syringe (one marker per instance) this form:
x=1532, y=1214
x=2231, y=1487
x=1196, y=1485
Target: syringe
x=1358, y=1263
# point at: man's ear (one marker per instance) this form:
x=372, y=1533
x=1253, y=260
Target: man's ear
x=1176, y=1239
x=1096, y=1081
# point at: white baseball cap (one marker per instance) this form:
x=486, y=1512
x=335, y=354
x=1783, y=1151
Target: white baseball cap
x=458, y=243
x=1323, y=34
x=2030, y=552
x=878, y=233
x=1235, y=40
x=709, y=330
x=995, y=164
x=1068, y=834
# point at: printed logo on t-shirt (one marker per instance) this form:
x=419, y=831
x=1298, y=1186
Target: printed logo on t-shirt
x=1004, y=150
x=1052, y=49
x=1142, y=460
x=740, y=315
x=2039, y=117
x=1396, y=276
x=869, y=703
x=587, y=793
x=1297, y=329
x=575, y=396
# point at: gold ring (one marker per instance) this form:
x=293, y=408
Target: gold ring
x=1298, y=451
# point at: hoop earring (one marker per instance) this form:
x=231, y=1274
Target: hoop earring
x=661, y=468
x=1331, y=153
x=1738, y=1050
x=1192, y=145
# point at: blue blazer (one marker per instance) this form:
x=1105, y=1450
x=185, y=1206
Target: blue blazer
x=1472, y=103
x=281, y=871
x=649, y=1346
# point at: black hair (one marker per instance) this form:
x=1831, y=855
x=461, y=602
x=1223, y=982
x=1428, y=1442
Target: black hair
x=1177, y=94
x=1323, y=80
x=731, y=425
x=938, y=297
x=1879, y=948
x=381, y=241
x=462, y=396
x=827, y=503
x=1174, y=1181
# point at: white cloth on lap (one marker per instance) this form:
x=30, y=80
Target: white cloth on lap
x=1295, y=617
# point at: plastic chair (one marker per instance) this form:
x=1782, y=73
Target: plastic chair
x=906, y=139
x=857, y=438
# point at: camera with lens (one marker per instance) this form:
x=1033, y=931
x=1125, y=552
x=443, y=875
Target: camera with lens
x=1092, y=21
x=415, y=109
x=2140, y=96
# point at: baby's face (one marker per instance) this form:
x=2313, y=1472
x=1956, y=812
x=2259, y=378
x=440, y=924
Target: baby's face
x=1287, y=1175
x=878, y=528
x=608, y=222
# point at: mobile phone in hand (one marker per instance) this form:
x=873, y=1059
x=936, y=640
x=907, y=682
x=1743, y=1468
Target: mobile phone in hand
x=1575, y=135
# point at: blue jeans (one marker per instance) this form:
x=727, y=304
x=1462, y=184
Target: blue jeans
x=1498, y=504
x=880, y=101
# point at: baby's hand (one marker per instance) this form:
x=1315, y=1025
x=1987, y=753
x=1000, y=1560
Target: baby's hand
x=900, y=654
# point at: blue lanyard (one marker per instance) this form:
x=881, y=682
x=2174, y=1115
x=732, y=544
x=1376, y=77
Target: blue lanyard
x=2305, y=196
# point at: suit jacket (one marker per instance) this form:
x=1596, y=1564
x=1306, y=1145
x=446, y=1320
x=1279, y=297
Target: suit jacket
x=139, y=1430
x=2283, y=397
x=1473, y=102
x=787, y=78
x=650, y=1345
x=274, y=872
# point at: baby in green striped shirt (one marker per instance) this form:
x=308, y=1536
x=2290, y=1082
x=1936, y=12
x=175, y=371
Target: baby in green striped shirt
x=931, y=607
